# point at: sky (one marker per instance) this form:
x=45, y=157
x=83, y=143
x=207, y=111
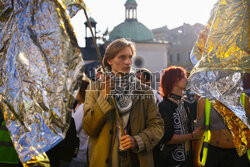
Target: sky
x=153, y=14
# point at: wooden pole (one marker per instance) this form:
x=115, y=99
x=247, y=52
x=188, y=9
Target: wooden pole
x=100, y=59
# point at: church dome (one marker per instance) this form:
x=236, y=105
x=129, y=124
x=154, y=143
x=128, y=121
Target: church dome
x=133, y=30
x=130, y=2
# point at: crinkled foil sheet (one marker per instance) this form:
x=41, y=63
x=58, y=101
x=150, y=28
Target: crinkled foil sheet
x=39, y=64
x=221, y=56
x=73, y=6
x=224, y=44
x=237, y=127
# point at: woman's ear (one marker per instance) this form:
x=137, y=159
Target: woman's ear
x=109, y=61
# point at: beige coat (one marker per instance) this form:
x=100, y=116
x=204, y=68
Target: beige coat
x=99, y=123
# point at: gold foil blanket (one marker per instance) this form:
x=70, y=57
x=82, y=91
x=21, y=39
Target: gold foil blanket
x=220, y=57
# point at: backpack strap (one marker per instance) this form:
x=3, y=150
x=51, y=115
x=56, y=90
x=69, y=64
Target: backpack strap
x=207, y=132
x=242, y=99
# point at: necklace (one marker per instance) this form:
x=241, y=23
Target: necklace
x=174, y=96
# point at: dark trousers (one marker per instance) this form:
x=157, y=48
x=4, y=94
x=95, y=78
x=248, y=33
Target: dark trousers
x=220, y=157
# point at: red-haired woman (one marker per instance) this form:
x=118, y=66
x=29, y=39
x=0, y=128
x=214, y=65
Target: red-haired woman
x=175, y=148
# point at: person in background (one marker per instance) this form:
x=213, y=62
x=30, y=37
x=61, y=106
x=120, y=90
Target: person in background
x=62, y=154
x=138, y=113
x=246, y=84
x=98, y=73
x=175, y=148
x=81, y=160
x=145, y=76
x=221, y=149
x=193, y=98
x=8, y=155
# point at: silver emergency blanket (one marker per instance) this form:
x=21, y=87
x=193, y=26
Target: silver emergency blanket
x=220, y=58
x=220, y=54
x=73, y=6
x=39, y=64
x=223, y=86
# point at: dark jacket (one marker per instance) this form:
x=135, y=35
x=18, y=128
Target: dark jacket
x=176, y=121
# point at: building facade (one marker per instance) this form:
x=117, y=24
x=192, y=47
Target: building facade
x=181, y=41
x=89, y=53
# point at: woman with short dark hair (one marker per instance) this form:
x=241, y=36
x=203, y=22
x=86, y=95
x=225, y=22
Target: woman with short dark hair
x=175, y=148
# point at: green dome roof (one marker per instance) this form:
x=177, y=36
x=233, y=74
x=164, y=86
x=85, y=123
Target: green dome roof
x=131, y=2
x=92, y=20
x=133, y=30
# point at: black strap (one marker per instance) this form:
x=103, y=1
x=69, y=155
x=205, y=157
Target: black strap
x=174, y=96
x=6, y=144
x=3, y=128
x=1, y=116
x=1, y=120
x=87, y=153
x=189, y=114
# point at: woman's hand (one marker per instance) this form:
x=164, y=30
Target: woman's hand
x=197, y=133
x=198, y=164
